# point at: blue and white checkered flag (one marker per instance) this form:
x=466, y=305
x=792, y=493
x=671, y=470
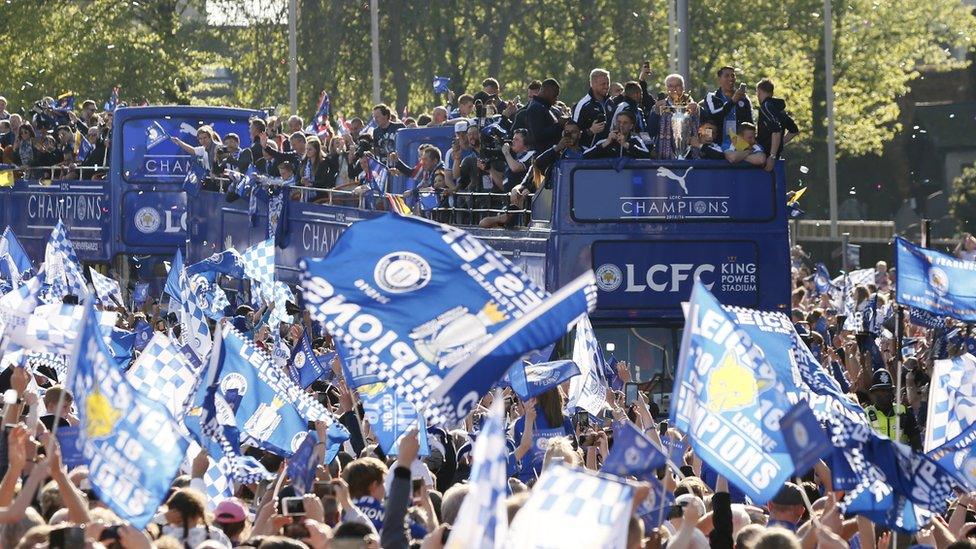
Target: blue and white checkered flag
x=163, y=372
x=921, y=317
x=952, y=400
x=587, y=391
x=259, y=262
x=195, y=331
x=62, y=265
x=483, y=519
x=106, y=289
x=281, y=294
x=578, y=509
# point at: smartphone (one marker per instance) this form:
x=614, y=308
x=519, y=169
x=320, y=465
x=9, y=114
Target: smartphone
x=68, y=537
x=446, y=534
x=663, y=427
x=631, y=394
x=582, y=419
x=742, y=87
x=323, y=488
x=293, y=506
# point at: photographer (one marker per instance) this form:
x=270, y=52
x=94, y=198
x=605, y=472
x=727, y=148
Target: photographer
x=727, y=106
x=518, y=157
x=541, y=117
x=567, y=147
x=620, y=142
x=228, y=156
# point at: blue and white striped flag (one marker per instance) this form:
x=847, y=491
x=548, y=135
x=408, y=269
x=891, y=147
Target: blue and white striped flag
x=578, y=509
x=107, y=290
x=482, y=520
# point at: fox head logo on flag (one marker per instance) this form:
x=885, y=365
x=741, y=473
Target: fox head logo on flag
x=732, y=386
x=102, y=416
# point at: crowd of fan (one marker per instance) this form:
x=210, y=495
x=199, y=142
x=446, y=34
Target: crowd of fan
x=502, y=149
x=366, y=499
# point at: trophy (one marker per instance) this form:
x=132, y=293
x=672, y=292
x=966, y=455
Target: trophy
x=681, y=128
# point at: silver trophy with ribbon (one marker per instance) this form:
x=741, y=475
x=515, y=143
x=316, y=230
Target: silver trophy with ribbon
x=681, y=129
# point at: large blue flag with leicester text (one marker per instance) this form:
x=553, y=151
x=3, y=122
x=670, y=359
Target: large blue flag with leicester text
x=130, y=442
x=440, y=314
x=728, y=399
x=935, y=282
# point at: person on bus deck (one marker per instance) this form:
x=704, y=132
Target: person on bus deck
x=592, y=112
x=317, y=171
x=744, y=147
x=250, y=155
x=295, y=155
x=568, y=147
x=776, y=126
x=621, y=141
x=518, y=159
x=208, y=140
x=703, y=146
x=728, y=106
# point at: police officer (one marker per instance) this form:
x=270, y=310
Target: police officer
x=883, y=411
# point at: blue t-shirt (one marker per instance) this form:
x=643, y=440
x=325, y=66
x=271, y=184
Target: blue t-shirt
x=531, y=463
x=375, y=511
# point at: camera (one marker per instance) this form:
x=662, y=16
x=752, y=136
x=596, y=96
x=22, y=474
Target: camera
x=363, y=145
x=491, y=153
x=293, y=506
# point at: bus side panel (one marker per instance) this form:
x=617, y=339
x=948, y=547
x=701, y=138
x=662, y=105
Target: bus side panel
x=85, y=207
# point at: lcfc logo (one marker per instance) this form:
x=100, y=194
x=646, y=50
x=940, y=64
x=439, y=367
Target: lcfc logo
x=608, y=277
x=402, y=272
x=939, y=280
x=147, y=220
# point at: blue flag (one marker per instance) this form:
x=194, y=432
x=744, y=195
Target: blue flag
x=113, y=415
x=633, y=453
x=155, y=134
x=302, y=465
x=308, y=366
x=196, y=174
x=140, y=294
x=938, y=283
x=10, y=245
x=228, y=262
x=531, y=380
x=725, y=397
x=440, y=84
x=390, y=417
x=676, y=450
x=821, y=279
x=652, y=510
x=267, y=406
x=804, y=437
x=71, y=454
x=172, y=287
x=439, y=313
x=895, y=487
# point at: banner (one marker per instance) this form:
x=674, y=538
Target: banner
x=441, y=315
x=531, y=380
x=113, y=415
x=728, y=398
x=390, y=417
x=935, y=282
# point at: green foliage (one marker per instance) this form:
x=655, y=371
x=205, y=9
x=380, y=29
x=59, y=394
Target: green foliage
x=160, y=50
x=962, y=203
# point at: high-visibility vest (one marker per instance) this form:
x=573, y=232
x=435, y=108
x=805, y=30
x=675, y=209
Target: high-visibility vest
x=887, y=425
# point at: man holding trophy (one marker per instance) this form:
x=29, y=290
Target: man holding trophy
x=674, y=120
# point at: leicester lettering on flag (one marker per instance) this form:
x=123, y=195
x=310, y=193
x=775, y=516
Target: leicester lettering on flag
x=578, y=509
x=935, y=282
x=531, y=380
x=587, y=390
x=114, y=415
x=482, y=521
x=728, y=399
x=440, y=315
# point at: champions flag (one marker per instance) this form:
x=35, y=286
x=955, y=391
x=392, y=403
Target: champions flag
x=725, y=396
x=390, y=417
x=935, y=282
x=578, y=509
x=114, y=415
x=439, y=314
x=482, y=520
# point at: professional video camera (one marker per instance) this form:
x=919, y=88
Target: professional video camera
x=492, y=140
x=363, y=145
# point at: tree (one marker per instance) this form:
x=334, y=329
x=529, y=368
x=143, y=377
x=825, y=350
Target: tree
x=962, y=203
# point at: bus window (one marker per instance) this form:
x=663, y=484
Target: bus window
x=150, y=157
